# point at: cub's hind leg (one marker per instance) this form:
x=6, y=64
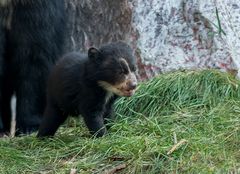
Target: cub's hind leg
x=52, y=119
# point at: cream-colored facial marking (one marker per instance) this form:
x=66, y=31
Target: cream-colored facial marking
x=108, y=87
x=125, y=62
x=126, y=87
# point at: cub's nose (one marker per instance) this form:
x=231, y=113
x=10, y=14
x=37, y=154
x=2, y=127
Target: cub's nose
x=132, y=85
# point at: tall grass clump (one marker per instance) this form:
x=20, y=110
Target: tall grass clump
x=170, y=92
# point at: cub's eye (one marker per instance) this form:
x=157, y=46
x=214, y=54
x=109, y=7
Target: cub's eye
x=121, y=72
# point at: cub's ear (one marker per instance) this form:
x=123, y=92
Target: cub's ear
x=93, y=54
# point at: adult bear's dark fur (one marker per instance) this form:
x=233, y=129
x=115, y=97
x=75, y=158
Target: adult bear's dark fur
x=31, y=39
x=88, y=85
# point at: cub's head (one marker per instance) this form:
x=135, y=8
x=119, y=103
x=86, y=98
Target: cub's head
x=115, y=68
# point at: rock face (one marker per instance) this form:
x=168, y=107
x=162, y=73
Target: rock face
x=166, y=34
x=95, y=22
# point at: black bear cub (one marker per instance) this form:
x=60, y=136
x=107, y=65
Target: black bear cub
x=88, y=85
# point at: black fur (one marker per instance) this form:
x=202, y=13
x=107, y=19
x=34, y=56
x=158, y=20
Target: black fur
x=31, y=40
x=73, y=87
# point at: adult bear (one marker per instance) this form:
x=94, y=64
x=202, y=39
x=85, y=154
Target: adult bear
x=31, y=40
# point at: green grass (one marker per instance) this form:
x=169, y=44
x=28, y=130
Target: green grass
x=201, y=107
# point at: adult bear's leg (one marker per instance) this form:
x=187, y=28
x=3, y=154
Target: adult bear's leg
x=7, y=92
x=36, y=38
x=2, y=45
x=6, y=86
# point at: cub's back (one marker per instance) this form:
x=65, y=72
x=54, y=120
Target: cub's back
x=65, y=78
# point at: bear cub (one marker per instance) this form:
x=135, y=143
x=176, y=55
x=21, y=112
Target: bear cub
x=88, y=85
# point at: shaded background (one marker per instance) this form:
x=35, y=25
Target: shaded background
x=166, y=34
